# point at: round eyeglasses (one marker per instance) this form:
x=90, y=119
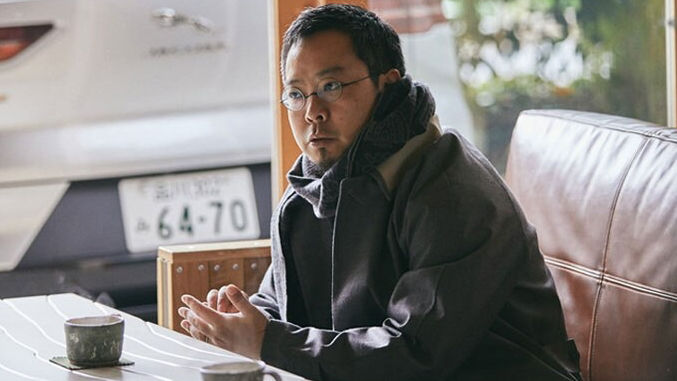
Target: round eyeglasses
x=328, y=90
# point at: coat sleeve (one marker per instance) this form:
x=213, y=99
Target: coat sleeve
x=265, y=298
x=464, y=242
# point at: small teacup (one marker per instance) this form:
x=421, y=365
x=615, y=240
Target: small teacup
x=237, y=371
x=94, y=340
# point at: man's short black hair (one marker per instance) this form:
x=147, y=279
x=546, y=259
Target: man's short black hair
x=374, y=41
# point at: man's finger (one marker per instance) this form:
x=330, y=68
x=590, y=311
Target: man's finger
x=194, y=332
x=195, y=305
x=199, y=323
x=197, y=334
x=224, y=303
x=237, y=297
x=185, y=325
x=183, y=311
x=208, y=317
x=212, y=296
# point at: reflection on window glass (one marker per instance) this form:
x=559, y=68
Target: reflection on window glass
x=594, y=55
x=429, y=50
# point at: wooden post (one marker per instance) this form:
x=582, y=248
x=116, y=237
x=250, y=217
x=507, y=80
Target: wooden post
x=285, y=150
x=671, y=57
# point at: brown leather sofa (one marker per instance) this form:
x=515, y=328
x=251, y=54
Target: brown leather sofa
x=602, y=193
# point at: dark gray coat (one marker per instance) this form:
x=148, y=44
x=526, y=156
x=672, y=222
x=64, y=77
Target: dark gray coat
x=436, y=276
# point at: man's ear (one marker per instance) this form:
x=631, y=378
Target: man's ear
x=391, y=76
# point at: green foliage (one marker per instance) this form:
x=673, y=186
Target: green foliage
x=634, y=32
x=595, y=55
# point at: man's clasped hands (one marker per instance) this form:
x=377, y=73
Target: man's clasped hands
x=226, y=319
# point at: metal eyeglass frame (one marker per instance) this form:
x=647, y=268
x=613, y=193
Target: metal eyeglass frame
x=320, y=94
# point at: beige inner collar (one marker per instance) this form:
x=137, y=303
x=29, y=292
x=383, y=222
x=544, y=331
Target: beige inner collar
x=392, y=169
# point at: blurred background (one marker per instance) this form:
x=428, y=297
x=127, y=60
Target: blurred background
x=507, y=56
x=125, y=125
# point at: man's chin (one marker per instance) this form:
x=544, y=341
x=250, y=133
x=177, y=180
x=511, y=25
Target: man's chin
x=324, y=161
x=324, y=165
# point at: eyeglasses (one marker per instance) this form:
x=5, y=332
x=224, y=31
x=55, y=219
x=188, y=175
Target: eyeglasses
x=328, y=90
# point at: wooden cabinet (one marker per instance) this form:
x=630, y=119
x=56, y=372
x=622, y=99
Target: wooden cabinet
x=195, y=269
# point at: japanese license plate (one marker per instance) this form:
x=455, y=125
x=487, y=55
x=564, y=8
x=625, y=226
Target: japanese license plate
x=187, y=208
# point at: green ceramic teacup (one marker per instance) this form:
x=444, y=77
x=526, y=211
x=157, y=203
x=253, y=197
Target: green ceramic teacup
x=94, y=340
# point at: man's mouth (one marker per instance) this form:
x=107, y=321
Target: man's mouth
x=320, y=139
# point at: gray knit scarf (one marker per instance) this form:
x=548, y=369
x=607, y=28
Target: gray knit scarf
x=402, y=112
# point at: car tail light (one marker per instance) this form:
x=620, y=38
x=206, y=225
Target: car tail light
x=15, y=39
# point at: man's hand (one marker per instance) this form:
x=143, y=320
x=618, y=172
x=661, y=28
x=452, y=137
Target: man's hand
x=218, y=300
x=235, y=324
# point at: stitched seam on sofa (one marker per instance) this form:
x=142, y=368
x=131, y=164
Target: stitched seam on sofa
x=562, y=264
x=605, y=252
x=608, y=125
x=641, y=288
x=611, y=279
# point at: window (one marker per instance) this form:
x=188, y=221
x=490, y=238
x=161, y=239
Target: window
x=505, y=56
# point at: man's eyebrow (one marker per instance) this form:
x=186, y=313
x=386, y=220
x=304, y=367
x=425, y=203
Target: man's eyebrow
x=321, y=73
x=331, y=70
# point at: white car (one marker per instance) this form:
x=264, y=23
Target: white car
x=125, y=125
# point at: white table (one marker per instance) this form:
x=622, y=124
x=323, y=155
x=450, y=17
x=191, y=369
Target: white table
x=31, y=332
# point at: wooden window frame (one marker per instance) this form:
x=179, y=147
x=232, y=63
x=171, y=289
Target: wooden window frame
x=671, y=64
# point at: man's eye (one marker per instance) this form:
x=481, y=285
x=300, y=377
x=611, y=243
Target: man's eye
x=294, y=94
x=331, y=86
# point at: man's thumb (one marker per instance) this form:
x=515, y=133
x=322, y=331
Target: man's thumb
x=236, y=296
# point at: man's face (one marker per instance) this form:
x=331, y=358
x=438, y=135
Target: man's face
x=324, y=130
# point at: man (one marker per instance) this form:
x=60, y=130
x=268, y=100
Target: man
x=397, y=252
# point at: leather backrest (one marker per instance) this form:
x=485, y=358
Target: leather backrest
x=602, y=193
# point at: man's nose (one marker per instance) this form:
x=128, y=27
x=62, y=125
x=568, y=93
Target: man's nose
x=316, y=110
